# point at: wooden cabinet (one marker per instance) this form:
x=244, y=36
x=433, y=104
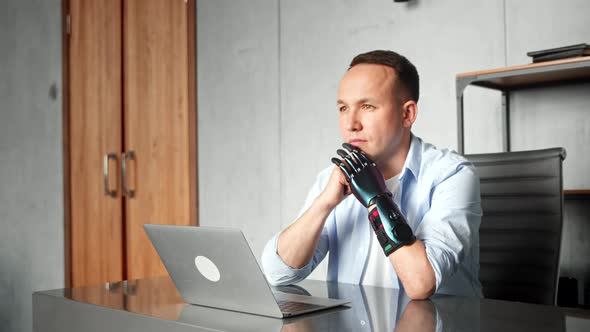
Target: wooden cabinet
x=130, y=133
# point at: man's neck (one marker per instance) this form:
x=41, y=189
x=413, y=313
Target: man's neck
x=395, y=164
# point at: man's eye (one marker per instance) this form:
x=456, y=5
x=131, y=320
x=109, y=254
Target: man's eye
x=342, y=109
x=368, y=107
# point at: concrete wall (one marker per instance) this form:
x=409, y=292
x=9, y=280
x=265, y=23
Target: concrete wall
x=31, y=194
x=554, y=116
x=238, y=117
x=269, y=69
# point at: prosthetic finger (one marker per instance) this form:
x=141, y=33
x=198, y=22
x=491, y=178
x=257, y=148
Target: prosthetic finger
x=358, y=164
x=358, y=154
x=355, y=166
x=342, y=167
x=348, y=147
x=362, y=156
x=342, y=153
x=358, y=158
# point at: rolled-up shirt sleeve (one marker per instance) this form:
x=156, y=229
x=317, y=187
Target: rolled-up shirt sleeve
x=449, y=230
x=277, y=272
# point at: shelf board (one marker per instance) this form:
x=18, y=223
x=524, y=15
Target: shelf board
x=577, y=192
x=534, y=74
x=576, y=195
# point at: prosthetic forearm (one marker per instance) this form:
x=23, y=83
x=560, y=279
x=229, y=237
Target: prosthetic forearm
x=396, y=233
x=368, y=186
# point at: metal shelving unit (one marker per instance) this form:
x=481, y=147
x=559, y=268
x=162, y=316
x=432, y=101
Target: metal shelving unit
x=507, y=79
x=550, y=73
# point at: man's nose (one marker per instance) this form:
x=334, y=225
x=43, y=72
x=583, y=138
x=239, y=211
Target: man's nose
x=353, y=122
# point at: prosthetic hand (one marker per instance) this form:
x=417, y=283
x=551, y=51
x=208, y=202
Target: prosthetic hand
x=368, y=186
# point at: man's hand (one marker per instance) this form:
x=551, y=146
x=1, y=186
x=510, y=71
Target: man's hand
x=336, y=190
x=368, y=186
x=366, y=181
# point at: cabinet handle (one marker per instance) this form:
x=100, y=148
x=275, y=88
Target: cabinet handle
x=130, y=155
x=105, y=174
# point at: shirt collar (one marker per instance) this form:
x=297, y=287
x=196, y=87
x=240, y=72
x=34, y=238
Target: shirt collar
x=413, y=159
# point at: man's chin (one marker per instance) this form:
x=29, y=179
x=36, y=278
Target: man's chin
x=363, y=146
x=374, y=157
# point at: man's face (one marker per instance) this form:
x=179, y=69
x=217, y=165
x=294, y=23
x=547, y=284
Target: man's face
x=371, y=117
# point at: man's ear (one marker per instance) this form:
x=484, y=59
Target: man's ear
x=410, y=112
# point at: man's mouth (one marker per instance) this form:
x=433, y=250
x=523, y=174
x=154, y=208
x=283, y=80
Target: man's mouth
x=357, y=142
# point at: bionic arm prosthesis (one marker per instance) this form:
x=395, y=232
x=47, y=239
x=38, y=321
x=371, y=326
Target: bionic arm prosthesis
x=368, y=186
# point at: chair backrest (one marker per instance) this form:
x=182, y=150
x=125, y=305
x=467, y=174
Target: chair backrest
x=520, y=232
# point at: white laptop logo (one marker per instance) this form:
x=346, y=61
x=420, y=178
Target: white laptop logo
x=207, y=268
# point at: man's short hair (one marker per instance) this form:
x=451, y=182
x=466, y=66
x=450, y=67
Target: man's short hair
x=407, y=75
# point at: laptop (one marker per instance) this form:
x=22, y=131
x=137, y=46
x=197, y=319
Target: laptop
x=224, y=320
x=215, y=267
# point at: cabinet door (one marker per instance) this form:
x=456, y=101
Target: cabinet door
x=156, y=124
x=95, y=118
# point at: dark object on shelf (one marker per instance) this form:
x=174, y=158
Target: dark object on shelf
x=567, y=294
x=560, y=53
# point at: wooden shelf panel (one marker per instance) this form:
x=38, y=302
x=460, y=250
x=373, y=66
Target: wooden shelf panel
x=574, y=69
x=577, y=192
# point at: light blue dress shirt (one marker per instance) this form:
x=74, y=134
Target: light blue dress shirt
x=439, y=195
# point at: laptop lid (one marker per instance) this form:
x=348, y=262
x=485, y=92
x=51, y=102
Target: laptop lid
x=214, y=267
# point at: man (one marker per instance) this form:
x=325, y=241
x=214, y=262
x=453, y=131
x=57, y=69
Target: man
x=432, y=197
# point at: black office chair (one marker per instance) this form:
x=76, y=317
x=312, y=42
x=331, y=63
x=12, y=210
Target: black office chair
x=520, y=233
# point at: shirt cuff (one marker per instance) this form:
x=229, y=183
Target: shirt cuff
x=277, y=272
